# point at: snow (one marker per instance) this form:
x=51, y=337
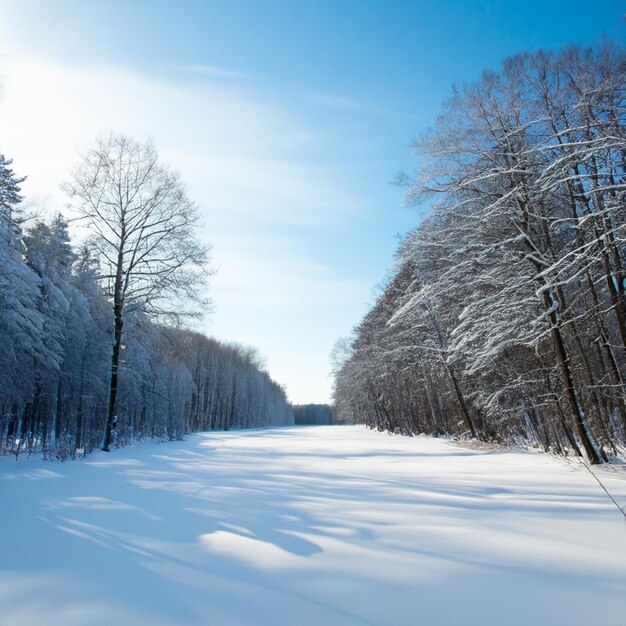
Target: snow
x=332, y=525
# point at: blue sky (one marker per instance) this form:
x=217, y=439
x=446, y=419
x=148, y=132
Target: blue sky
x=287, y=120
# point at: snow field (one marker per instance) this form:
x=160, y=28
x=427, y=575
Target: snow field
x=325, y=525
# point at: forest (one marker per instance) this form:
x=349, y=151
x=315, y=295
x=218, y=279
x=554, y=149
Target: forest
x=504, y=318
x=95, y=335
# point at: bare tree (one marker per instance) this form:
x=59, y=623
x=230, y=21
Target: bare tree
x=141, y=223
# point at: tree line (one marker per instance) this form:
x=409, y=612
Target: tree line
x=93, y=336
x=505, y=316
x=313, y=414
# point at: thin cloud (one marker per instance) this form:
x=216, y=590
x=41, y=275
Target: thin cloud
x=343, y=103
x=212, y=70
x=237, y=152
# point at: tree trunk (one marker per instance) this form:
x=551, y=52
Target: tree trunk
x=462, y=404
x=594, y=456
x=115, y=359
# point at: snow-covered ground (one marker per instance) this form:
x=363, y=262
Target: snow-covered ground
x=315, y=525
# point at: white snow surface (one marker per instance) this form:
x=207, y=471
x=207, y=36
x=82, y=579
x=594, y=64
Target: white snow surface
x=324, y=525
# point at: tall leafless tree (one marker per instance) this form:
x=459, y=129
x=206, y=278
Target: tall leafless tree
x=142, y=226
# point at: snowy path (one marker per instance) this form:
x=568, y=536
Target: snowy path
x=320, y=526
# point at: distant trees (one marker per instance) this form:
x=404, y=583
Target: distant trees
x=57, y=329
x=313, y=414
x=142, y=230
x=506, y=316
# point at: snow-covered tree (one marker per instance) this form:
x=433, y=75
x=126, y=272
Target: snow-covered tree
x=56, y=328
x=519, y=268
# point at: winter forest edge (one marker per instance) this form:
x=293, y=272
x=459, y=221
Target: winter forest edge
x=58, y=324
x=505, y=316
